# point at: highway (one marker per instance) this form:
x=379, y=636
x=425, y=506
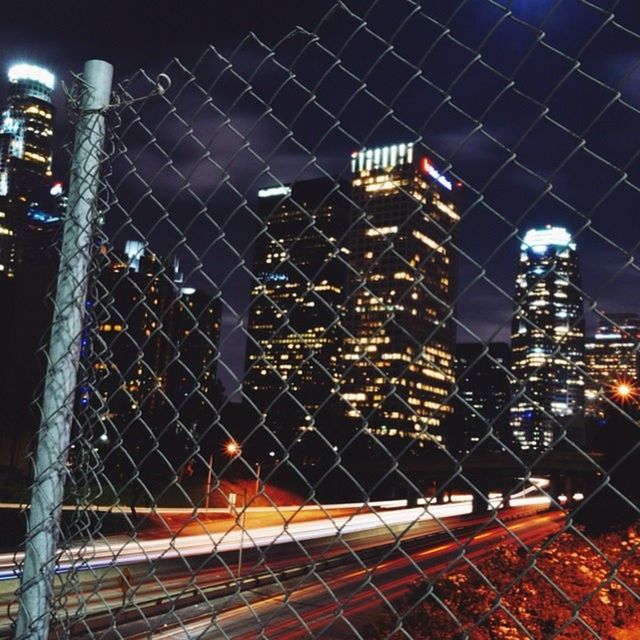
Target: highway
x=348, y=598
x=222, y=535
x=175, y=578
x=317, y=587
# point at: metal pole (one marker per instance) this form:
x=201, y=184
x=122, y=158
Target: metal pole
x=47, y=493
x=208, y=488
x=243, y=523
x=257, y=487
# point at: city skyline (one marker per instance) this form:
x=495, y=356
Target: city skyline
x=578, y=185
x=474, y=309
x=343, y=336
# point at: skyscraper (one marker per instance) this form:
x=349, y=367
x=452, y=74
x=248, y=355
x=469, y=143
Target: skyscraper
x=482, y=402
x=294, y=353
x=399, y=356
x=26, y=134
x=612, y=355
x=547, y=339
x=153, y=361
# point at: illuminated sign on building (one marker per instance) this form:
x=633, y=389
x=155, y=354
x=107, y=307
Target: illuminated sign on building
x=56, y=189
x=427, y=167
x=274, y=191
x=42, y=216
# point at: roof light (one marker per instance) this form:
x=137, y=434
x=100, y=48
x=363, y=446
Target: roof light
x=24, y=71
x=539, y=240
x=274, y=191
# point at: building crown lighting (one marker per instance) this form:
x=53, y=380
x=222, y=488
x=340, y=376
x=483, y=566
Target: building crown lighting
x=539, y=240
x=24, y=71
x=382, y=157
x=274, y=191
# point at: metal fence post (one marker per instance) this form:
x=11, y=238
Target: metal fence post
x=63, y=357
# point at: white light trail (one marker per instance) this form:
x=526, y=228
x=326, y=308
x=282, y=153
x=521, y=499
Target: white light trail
x=115, y=550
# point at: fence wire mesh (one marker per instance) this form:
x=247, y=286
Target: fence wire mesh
x=344, y=368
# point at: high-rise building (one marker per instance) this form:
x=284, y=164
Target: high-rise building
x=612, y=355
x=294, y=353
x=547, y=339
x=153, y=360
x=26, y=132
x=29, y=220
x=192, y=385
x=481, y=404
x=399, y=356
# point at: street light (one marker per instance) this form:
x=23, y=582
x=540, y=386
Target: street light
x=232, y=448
x=624, y=391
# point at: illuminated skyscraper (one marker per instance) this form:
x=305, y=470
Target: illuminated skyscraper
x=547, y=339
x=29, y=220
x=400, y=356
x=294, y=355
x=26, y=132
x=27, y=126
x=611, y=356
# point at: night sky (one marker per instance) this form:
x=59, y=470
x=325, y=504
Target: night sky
x=490, y=89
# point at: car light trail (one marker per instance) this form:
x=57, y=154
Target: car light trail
x=115, y=551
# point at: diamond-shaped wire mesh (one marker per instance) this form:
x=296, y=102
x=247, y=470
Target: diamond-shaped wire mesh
x=334, y=374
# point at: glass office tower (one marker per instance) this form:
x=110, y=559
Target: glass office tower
x=399, y=355
x=294, y=355
x=547, y=339
x=26, y=134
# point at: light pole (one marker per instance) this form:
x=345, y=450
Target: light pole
x=233, y=449
x=257, y=487
x=208, y=487
x=243, y=522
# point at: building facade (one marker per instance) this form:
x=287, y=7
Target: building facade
x=481, y=405
x=26, y=144
x=611, y=356
x=399, y=354
x=295, y=344
x=153, y=361
x=547, y=339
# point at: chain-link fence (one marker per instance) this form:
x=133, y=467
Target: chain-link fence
x=329, y=356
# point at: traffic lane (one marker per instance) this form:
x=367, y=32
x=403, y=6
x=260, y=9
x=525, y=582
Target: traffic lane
x=135, y=549
x=171, y=580
x=315, y=600
x=333, y=607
